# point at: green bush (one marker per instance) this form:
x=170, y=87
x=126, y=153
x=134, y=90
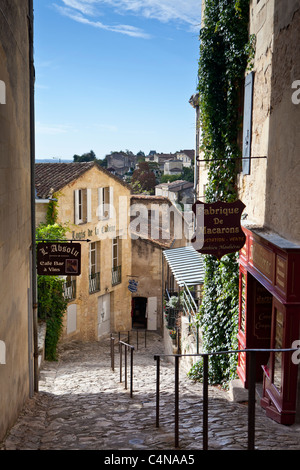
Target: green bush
x=51, y=302
x=51, y=309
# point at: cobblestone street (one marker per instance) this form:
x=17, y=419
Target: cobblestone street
x=81, y=405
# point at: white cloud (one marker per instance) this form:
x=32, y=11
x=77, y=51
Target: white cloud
x=84, y=6
x=187, y=11
x=86, y=11
x=119, y=28
x=51, y=129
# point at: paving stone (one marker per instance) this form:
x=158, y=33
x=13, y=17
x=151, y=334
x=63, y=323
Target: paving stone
x=81, y=405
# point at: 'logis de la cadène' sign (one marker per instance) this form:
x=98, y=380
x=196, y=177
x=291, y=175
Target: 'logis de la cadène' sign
x=218, y=228
x=59, y=259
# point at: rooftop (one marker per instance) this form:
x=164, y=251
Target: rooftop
x=51, y=177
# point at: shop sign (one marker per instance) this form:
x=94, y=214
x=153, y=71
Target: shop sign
x=59, y=259
x=218, y=228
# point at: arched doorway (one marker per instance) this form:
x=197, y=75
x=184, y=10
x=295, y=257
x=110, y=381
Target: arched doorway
x=139, y=312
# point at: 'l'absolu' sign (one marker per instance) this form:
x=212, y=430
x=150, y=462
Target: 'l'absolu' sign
x=59, y=259
x=218, y=228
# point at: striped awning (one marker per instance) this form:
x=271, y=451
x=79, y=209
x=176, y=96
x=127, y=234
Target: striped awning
x=186, y=265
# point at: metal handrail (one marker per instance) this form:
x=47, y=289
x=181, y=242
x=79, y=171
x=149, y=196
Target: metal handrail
x=205, y=356
x=112, y=353
x=121, y=343
x=137, y=330
x=191, y=309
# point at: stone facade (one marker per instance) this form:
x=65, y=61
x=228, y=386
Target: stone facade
x=102, y=300
x=147, y=255
x=16, y=318
x=271, y=190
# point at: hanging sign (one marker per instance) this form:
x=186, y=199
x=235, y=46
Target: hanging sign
x=59, y=259
x=218, y=228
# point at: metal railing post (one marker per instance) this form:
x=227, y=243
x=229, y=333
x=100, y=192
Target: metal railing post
x=205, y=401
x=157, y=358
x=251, y=400
x=176, y=401
x=120, y=347
x=125, y=367
x=112, y=352
x=131, y=372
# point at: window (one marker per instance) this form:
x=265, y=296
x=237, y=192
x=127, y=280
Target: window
x=69, y=288
x=105, y=202
x=116, y=261
x=82, y=200
x=94, y=267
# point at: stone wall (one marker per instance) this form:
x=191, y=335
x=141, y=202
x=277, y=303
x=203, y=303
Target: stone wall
x=271, y=191
x=16, y=375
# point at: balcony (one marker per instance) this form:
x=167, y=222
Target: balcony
x=69, y=290
x=116, y=277
x=94, y=283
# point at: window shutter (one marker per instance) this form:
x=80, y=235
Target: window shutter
x=88, y=205
x=76, y=206
x=111, y=202
x=247, y=123
x=100, y=203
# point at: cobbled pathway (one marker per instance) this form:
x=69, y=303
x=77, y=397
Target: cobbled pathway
x=82, y=405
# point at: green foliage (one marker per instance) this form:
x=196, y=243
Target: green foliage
x=85, y=157
x=187, y=174
x=143, y=179
x=51, y=302
x=51, y=231
x=170, y=178
x=225, y=52
x=51, y=308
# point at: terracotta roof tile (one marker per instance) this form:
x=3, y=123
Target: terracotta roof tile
x=51, y=177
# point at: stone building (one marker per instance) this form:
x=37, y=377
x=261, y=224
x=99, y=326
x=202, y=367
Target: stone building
x=18, y=371
x=160, y=226
x=126, y=237
x=94, y=203
x=179, y=192
x=269, y=185
x=121, y=163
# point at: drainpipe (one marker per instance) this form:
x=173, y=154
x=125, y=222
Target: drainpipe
x=32, y=169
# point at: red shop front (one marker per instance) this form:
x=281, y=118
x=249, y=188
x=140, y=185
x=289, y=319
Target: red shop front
x=269, y=318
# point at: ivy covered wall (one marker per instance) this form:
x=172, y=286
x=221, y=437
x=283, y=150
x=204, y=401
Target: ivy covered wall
x=225, y=54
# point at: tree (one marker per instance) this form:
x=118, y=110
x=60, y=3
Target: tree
x=85, y=157
x=188, y=174
x=144, y=177
x=170, y=178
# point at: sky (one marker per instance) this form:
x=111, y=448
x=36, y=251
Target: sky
x=115, y=75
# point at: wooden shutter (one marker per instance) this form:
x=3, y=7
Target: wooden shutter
x=247, y=123
x=76, y=206
x=111, y=202
x=88, y=205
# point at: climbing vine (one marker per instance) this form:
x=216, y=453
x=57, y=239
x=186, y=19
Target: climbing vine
x=51, y=302
x=226, y=52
